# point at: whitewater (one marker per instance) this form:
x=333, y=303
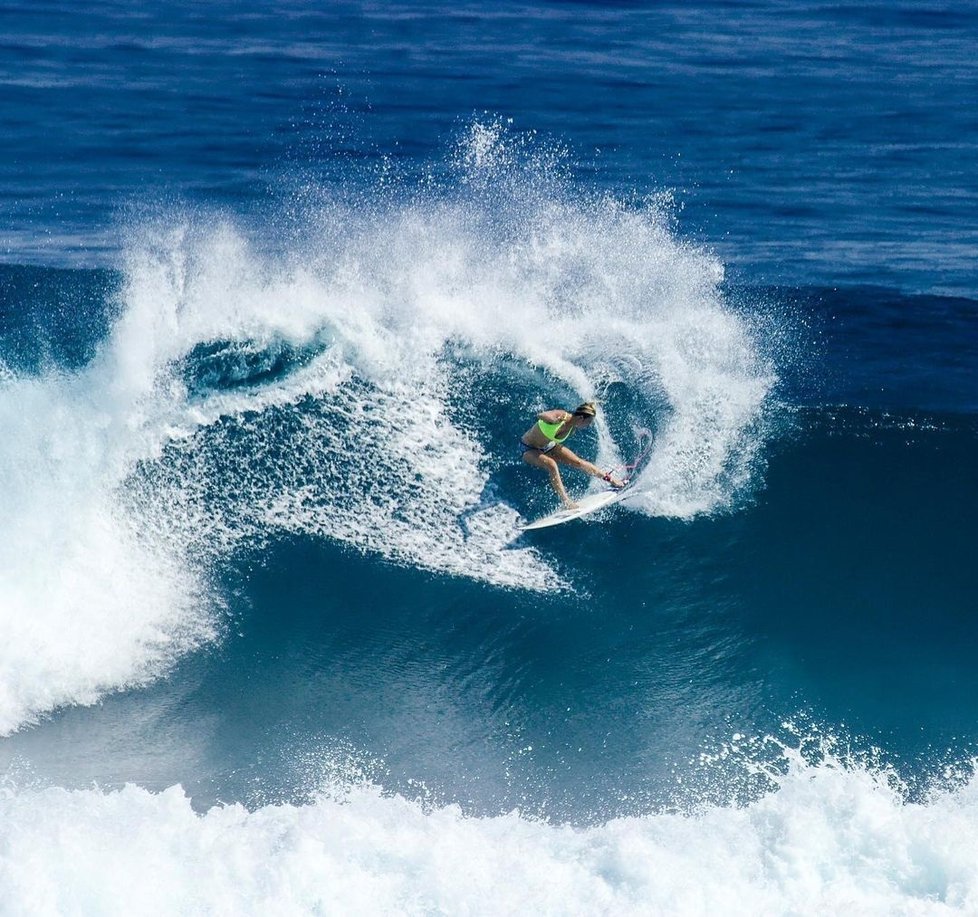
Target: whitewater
x=833, y=838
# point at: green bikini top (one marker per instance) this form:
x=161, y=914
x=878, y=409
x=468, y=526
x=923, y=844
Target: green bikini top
x=550, y=430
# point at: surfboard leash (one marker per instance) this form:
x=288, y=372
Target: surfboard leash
x=641, y=456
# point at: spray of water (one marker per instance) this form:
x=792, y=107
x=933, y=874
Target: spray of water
x=312, y=386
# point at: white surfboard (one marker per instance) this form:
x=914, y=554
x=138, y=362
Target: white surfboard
x=585, y=506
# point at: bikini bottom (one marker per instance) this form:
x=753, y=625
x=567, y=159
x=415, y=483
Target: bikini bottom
x=524, y=448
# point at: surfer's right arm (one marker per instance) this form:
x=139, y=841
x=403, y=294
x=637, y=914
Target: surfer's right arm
x=555, y=416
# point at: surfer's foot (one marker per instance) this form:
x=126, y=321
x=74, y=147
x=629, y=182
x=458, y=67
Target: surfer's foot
x=570, y=504
x=614, y=482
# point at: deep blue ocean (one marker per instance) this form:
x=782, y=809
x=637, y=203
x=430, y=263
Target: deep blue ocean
x=282, y=284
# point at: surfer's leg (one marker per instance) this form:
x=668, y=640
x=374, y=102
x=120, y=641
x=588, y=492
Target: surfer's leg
x=537, y=459
x=564, y=455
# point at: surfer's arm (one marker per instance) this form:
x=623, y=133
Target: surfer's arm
x=554, y=416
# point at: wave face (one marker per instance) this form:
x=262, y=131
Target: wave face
x=365, y=387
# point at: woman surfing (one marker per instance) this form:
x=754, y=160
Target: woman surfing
x=543, y=447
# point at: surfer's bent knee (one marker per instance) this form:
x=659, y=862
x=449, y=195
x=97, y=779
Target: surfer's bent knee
x=570, y=458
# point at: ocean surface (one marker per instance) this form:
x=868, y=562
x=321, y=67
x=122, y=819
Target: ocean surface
x=281, y=285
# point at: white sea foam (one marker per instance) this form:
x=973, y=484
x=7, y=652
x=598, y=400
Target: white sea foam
x=125, y=483
x=830, y=840
x=90, y=600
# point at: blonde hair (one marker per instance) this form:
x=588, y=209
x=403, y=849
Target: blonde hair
x=585, y=410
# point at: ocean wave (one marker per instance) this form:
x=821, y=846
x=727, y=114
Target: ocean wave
x=334, y=385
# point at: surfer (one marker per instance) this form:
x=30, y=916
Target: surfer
x=543, y=447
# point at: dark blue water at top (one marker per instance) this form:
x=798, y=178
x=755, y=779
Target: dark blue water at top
x=815, y=143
